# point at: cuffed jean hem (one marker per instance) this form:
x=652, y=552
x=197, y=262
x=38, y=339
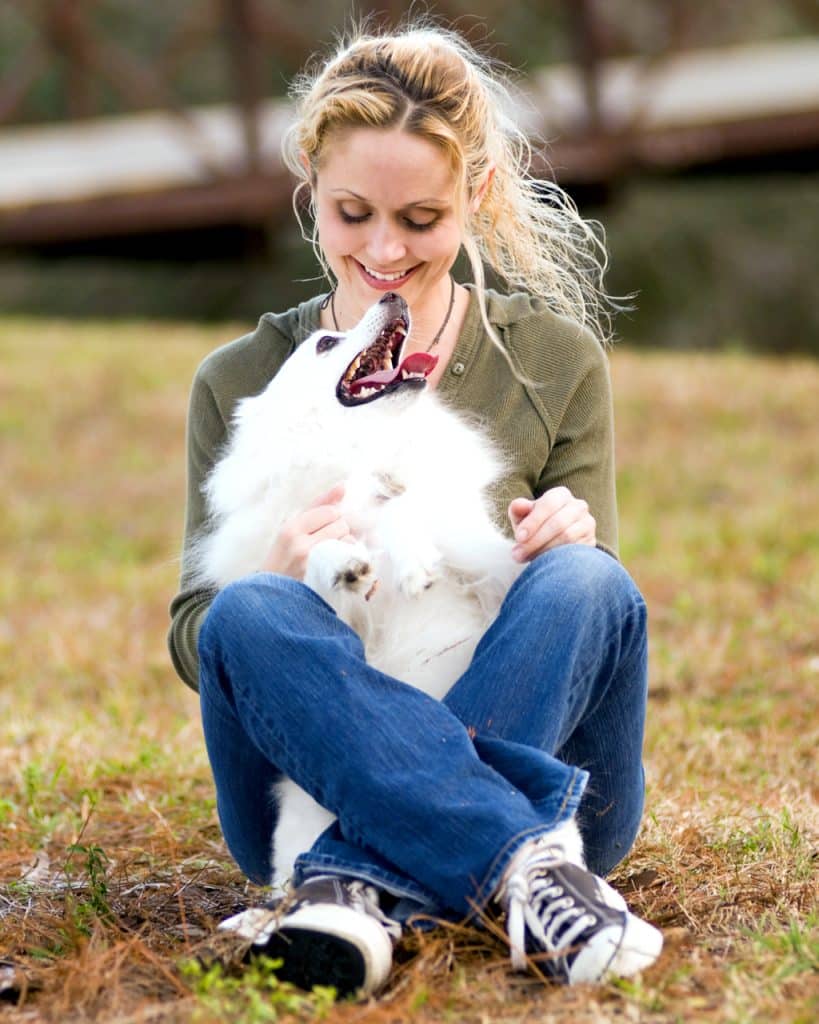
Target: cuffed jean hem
x=310, y=864
x=568, y=810
x=426, y=903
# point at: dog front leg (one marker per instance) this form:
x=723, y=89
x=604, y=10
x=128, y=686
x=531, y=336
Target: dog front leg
x=405, y=536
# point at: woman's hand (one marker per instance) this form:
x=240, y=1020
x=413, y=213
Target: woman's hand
x=322, y=520
x=555, y=518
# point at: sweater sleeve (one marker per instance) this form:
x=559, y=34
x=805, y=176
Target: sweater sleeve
x=582, y=455
x=234, y=371
x=206, y=432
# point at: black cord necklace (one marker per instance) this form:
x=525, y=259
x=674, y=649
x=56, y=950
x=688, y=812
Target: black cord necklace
x=441, y=329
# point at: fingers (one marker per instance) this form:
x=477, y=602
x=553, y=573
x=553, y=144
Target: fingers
x=332, y=497
x=321, y=520
x=308, y=529
x=556, y=517
x=316, y=518
x=295, y=549
x=518, y=510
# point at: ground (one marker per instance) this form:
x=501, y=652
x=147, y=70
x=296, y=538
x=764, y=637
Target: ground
x=112, y=870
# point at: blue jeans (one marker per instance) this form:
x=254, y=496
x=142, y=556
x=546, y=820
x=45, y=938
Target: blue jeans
x=432, y=798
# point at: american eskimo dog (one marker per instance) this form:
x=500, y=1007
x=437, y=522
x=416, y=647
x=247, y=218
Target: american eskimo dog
x=429, y=568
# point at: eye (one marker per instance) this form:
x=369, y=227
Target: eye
x=425, y=225
x=349, y=218
x=326, y=343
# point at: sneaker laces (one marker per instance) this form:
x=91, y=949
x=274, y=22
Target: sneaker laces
x=535, y=900
x=364, y=898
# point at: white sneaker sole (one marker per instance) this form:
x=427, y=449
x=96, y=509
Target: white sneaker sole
x=319, y=944
x=613, y=952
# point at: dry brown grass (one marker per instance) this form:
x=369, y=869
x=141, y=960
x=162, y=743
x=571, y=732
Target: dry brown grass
x=112, y=871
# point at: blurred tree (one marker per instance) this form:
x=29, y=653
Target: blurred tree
x=65, y=58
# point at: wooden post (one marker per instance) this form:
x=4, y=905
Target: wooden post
x=19, y=78
x=242, y=33
x=588, y=52
x=63, y=26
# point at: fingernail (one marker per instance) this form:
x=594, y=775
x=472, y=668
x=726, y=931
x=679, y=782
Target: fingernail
x=522, y=534
x=517, y=553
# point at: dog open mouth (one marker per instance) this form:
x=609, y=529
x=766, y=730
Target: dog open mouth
x=379, y=370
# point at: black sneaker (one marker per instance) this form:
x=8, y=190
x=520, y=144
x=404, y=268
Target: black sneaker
x=330, y=931
x=570, y=923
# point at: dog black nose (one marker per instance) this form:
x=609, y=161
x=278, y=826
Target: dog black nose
x=396, y=301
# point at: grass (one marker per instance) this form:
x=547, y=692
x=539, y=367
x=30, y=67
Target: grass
x=112, y=869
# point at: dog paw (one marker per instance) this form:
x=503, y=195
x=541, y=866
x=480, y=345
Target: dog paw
x=356, y=575
x=417, y=575
x=416, y=582
x=335, y=567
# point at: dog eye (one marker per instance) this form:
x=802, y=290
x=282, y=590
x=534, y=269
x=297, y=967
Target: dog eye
x=326, y=343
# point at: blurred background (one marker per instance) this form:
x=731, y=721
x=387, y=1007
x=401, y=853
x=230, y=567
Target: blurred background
x=140, y=176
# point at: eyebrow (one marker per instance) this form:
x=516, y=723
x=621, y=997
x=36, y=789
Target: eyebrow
x=431, y=201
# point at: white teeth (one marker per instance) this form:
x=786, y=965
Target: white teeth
x=385, y=277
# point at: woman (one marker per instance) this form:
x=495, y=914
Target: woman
x=525, y=783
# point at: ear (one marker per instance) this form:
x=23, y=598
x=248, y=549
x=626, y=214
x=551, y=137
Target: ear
x=304, y=160
x=481, y=191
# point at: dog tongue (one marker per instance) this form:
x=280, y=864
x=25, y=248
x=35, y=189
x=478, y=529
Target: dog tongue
x=416, y=362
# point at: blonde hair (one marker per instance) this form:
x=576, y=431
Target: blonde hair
x=428, y=80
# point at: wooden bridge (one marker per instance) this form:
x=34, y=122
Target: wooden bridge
x=173, y=167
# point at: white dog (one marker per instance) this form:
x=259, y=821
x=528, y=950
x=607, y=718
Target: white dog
x=429, y=568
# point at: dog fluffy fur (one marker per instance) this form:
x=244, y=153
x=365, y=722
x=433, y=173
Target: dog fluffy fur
x=416, y=478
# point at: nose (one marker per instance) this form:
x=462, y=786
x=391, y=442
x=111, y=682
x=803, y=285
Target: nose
x=385, y=247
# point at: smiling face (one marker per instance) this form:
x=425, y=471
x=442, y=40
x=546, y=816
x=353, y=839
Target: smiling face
x=387, y=219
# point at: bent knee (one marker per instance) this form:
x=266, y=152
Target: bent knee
x=578, y=573
x=246, y=603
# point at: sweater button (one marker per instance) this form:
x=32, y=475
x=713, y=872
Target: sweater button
x=458, y=369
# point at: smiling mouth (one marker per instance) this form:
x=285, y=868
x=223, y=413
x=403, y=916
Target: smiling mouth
x=386, y=278
x=379, y=370
x=394, y=276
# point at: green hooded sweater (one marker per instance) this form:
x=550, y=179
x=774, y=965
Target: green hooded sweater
x=555, y=426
